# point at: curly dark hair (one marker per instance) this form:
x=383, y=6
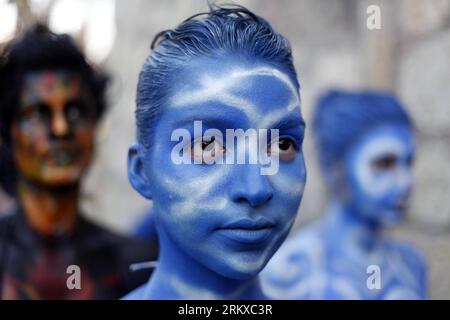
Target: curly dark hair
x=37, y=49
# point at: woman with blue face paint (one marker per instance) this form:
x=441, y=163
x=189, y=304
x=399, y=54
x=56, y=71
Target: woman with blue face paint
x=366, y=148
x=218, y=222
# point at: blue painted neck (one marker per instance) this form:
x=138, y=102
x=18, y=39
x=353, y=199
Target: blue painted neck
x=342, y=219
x=178, y=276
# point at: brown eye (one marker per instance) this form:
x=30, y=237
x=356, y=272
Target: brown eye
x=207, y=150
x=35, y=113
x=285, y=148
x=385, y=163
x=73, y=114
x=76, y=111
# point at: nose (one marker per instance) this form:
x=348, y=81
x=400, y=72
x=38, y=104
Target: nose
x=59, y=124
x=250, y=186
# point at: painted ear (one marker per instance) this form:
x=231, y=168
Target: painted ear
x=136, y=173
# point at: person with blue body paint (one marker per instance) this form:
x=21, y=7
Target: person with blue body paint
x=218, y=223
x=145, y=227
x=366, y=148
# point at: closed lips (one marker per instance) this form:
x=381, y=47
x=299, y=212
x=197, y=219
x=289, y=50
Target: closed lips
x=248, y=231
x=249, y=224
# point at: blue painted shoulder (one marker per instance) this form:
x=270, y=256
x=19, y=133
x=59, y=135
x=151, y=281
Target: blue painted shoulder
x=136, y=294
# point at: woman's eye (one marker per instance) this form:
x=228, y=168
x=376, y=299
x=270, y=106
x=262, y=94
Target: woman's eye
x=285, y=148
x=75, y=111
x=385, y=163
x=73, y=114
x=36, y=113
x=32, y=115
x=207, y=150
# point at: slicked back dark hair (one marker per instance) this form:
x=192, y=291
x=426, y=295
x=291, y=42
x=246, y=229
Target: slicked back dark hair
x=224, y=31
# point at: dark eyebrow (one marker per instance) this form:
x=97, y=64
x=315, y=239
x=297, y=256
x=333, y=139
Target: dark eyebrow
x=34, y=105
x=213, y=118
x=210, y=121
x=289, y=122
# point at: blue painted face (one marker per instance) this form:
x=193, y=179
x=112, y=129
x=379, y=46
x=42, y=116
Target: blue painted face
x=227, y=217
x=379, y=174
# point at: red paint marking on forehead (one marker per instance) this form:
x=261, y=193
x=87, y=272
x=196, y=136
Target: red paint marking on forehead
x=52, y=87
x=48, y=77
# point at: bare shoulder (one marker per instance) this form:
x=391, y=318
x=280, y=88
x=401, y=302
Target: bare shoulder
x=136, y=294
x=409, y=253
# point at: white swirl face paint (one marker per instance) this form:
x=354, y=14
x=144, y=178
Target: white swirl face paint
x=220, y=88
